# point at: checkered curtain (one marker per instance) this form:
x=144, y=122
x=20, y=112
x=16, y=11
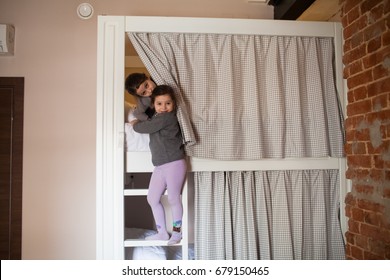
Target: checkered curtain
x=248, y=97
x=279, y=215
x=245, y=97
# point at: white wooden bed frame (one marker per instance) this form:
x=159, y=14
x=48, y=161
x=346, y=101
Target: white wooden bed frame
x=110, y=111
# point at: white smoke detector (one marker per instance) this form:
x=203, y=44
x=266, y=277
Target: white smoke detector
x=85, y=11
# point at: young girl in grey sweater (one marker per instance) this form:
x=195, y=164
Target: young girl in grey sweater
x=168, y=157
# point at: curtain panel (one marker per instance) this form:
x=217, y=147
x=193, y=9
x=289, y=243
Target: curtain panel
x=272, y=215
x=249, y=97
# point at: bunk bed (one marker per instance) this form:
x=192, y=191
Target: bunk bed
x=113, y=161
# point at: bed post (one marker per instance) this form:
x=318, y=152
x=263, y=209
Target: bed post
x=110, y=137
x=345, y=184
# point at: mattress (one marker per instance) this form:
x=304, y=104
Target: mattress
x=134, y=142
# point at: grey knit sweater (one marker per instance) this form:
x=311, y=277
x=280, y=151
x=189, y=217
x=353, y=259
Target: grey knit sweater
x=166, y=143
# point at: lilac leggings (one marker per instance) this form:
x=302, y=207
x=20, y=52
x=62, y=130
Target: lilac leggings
x=168, y=176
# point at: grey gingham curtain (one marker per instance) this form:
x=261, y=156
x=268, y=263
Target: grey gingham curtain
x=279, y=215
x=247, y=97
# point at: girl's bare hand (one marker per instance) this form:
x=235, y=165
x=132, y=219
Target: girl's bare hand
x=133, y=122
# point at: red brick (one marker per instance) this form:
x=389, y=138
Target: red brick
x=387, y=176
x=357, y=214
x=353, y=122
x=350, y=199
x=361, y=241
x=351, y=135
x=371, y=256
x=353, y=226
x=362, y=174
x=346, y=72
x=348, y=252
x=348, y=148
x=359, y=148
x=363, y=189
x=359, y=108
x=377, y=247
x=378, y=162
x=359, y=161
x=376, y=13
x=386, y=37
x=348, y=211
x=377, y=175
x=379, y=103
x=370, y=230
x=386, y=164
x=356, y=253
x=382, y=148
x=386, y=8
x=350, y=237
x=369, y=205
x=353, y=14
x=349, y=124
x=362, y=135
x=362, y=22
x=379, y=87
x=375, y=30
x=349, y=5
x=386, y=193
x=386, y=224
x=360, y=79
x=360, y=93
x=382, y=116
x=386, y=219
x=347, y=45
x=375, y=58
x=355, y=67
x=374, y=44
x=350, y=30
x=344, y=17
x=350, y=173
x=367, y=5
x=373, y=218
x=384, y=235
x=357, y=40
x=354, y=54
x=380, y=71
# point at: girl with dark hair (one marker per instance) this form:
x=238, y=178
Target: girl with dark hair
x=168, y=157
x=141, y=86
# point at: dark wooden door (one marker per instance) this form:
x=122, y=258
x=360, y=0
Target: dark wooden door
x=11, y=159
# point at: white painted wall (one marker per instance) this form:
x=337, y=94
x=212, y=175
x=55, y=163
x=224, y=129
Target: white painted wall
x=56, y=53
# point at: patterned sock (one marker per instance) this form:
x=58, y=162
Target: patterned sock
x=176, y=233
x=177, y=224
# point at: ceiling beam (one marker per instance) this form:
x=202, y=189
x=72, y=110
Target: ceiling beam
x=289, y=9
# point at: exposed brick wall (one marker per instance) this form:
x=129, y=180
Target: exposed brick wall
x=366, y=58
